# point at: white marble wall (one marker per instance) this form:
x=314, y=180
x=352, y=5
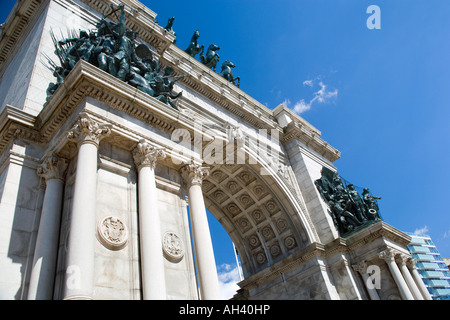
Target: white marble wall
x=16, y=79
x=307, y=167
x=180, y=275
x=20, y=203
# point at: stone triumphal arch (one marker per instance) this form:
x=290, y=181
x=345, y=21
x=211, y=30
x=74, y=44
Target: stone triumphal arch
x=110, y=133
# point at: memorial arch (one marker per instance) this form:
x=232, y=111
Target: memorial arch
x=105, y=146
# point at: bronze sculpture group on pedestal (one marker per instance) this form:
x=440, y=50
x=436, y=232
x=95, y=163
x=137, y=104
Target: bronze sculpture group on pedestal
x=112, y=48
x=348, y=209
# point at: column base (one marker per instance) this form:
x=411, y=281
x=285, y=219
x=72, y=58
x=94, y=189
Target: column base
x=79, y=297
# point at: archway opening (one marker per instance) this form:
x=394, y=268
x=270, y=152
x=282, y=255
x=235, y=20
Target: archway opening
x=228, y=263
x=256, y=215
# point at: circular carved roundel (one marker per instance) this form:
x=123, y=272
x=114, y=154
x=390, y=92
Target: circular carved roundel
x=112, y=232
x=173, y=246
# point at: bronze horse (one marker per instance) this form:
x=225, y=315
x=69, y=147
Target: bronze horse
x=227, y=73
x=194, y=48
x=211, y=58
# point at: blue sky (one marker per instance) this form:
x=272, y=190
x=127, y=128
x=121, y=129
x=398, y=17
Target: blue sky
x=381, y=97
x=386, y=98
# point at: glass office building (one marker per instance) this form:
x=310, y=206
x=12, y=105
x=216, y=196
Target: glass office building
x=431, y=266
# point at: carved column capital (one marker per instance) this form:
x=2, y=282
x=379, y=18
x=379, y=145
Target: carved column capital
x=53, y=167
x=87, y=130
x=361, y=267
x=387, y=255
x=411, y=263
x=401, y=259
x=193, y=174
x=146, y=155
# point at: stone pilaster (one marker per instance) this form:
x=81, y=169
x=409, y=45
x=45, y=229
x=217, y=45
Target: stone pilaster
x=42, y=276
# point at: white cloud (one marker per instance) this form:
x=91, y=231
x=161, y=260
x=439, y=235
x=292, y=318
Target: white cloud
x=308, y=83
x=228, y=279
x=421, y=231
x=323, y=95
x=302, y=106
x=446, y=234
x=286, y=102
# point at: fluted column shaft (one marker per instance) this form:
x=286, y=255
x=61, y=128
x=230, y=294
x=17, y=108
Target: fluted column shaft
x=80, y=257
x=45, y=253
x=388, y=256
x=152, y=261
x=193, y=176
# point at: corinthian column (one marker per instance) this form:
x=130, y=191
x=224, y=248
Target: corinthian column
x=80, y=256
x=409, y=279
x=45, y=253
x=193, y=176
x=152, y=262
x=388, y=255
x=411, y=263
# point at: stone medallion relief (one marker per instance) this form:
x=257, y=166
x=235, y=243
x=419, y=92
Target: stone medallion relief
x=173, y=247
x=112, y=233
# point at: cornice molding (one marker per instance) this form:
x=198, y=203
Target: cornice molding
x=216, y=88
x=87, y=81
x=14, y=30
x=311, y=139
x=16, y=123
